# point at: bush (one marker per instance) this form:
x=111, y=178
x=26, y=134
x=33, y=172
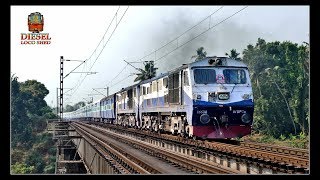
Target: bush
x=21, y=168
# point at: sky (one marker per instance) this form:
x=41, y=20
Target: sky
x=81, y=33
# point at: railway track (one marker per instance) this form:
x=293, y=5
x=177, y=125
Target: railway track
x=190, y=164
x=283, y=159
x=120, y=163
x=296, y=152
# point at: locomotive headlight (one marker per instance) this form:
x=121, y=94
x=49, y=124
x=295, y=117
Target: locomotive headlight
x=204, y=118
x=197, y=96
x=245, y=96
x=246, y=118
x=223, y=96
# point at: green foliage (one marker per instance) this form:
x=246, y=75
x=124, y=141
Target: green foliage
x=148, y=72
x=299, y=141
x=76, y=106
x=34, y=93
x=36, y=159
x=52, y=150
x=17, y=155
x=200, y=54
x=21, y=168
x=280, y=80
x=69, y=108
x=282, y=137
x=49, y=169
x=233, y=54
x=29, y=111
x=20, y=122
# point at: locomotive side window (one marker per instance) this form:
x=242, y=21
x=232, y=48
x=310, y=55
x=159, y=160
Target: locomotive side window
x=130, y=98
x=165, y=82
x=154, y=86
x=159, y=85
x=144, y=90
x=185, y=78
x=234, y=76
x=205, y=76
x=174, y=87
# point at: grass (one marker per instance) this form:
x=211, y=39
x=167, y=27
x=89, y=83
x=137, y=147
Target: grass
x=298, y=141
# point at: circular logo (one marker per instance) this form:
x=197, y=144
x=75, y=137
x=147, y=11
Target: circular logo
x=220, y=78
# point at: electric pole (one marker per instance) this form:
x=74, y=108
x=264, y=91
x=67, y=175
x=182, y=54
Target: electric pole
x=61, y=88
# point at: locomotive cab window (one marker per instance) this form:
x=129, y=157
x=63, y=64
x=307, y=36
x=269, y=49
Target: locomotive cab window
x=234, y=76
x=205, y=76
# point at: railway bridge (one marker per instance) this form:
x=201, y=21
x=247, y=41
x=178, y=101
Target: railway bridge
x=96, y=148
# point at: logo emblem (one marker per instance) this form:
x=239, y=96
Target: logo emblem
x=35, y=22
x=220, y=78
x=35, y=26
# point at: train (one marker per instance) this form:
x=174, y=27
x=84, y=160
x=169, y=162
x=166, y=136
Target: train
x=210, y=98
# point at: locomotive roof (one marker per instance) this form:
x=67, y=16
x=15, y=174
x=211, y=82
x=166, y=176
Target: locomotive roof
x=213, y=61
x=108, y=97
x=143, y=82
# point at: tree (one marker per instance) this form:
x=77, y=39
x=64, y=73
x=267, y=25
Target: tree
x=36, y=159
x=284, y=98
x=233, y=54
x=280, y=80
x=79, y=105
x=34, y=93
x=20, y=122
x=200, y=54
x=148, y=72
x=69, y=108
x=29, y=112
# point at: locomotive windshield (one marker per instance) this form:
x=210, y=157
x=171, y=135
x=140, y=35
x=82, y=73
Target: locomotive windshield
x=227, y=76
x=205, y=76
x=234, y=76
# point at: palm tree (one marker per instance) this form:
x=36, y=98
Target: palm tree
x=233, y=54
x=200, y=54
x=148, y=72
